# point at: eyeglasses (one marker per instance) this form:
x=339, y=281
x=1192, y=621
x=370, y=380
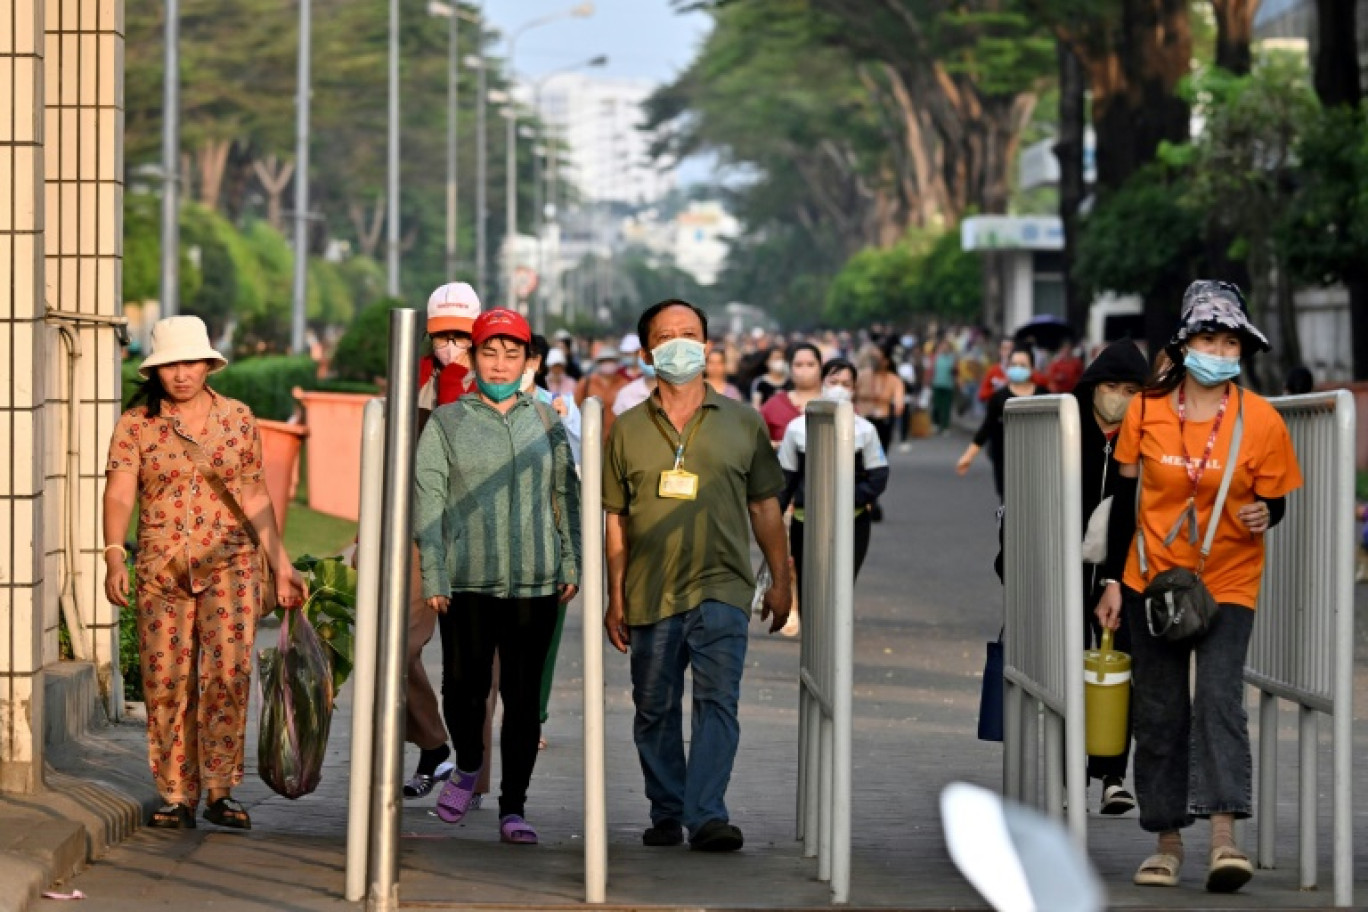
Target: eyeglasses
x=442, y=340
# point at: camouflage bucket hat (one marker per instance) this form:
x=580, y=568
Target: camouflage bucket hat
x=1217, y=307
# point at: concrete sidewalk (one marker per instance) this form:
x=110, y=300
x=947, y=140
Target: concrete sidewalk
x=926, y=603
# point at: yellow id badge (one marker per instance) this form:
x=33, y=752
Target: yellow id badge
x=678, y=484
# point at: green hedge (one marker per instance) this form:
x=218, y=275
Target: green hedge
x=264, y=384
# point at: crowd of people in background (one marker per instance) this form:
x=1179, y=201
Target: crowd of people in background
x=910, y=383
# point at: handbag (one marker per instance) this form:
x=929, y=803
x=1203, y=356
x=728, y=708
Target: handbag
x=1178, y=605
x=201, y=461
x=991, y=696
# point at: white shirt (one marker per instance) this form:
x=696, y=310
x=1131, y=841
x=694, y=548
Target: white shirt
x=631, y=395
x=867, y=444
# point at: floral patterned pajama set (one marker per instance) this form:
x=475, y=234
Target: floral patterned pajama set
x=199, y=590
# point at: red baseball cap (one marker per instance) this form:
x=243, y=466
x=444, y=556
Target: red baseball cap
x=501, y=322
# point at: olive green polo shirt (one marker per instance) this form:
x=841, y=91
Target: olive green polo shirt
x=680, y=553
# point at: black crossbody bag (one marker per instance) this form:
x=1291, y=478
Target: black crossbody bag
x=1178, y=605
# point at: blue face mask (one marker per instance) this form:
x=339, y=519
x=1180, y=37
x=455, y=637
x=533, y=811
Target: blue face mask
x=1018, y=374
x=498, y=391
x=647, y=369
x=1210, y=370
x=679, y=360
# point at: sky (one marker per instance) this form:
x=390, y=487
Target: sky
x=642, y=38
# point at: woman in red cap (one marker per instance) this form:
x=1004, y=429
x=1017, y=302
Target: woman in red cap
x=496, y=561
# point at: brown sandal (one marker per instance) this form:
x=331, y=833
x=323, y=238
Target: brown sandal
x=173, y=817
x=228, y=812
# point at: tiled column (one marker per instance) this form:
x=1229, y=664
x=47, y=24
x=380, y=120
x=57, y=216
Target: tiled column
x=83, y=243
x=22, y=341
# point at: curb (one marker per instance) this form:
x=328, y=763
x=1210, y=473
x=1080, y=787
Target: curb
x=97, y=792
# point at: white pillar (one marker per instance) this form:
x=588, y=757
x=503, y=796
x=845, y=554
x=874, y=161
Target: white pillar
x=21, y=399
x=83, y=245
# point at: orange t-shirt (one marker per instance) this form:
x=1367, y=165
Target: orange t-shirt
x=1267, y=467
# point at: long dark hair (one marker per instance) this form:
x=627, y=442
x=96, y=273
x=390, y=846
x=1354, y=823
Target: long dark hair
x=1165, y=378
x=150, y=394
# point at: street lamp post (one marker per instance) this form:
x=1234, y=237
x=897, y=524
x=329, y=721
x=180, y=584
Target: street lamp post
x=392, y=233
x=170, y=228
x=544, y=149
x=452, y=12
x=580, y=10
x=301, y=223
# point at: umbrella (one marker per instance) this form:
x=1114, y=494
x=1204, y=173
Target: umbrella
x=1045, y=331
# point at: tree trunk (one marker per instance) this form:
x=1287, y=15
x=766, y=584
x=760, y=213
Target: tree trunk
x=1135, y=107
x=274, y=176
x=368, y=229
x=1069, y=149
x=1337, y=64
x=1358, y=321
x=1337, y=83
x=1234, y=31
x=1290, y=353
x=212, y=158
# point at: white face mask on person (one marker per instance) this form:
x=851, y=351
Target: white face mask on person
x=453, y=350
x=679, y=360
x=836, y=393
x=529, y=380
x=778, y=368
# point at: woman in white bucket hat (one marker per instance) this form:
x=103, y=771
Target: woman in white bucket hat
x=190, y=460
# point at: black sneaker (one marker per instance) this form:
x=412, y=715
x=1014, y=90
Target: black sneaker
x=422, y=784
x=716, y=836
x=1115, y=799
x=665, y=833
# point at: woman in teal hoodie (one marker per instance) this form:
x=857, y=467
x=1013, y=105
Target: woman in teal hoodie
x=498, y=513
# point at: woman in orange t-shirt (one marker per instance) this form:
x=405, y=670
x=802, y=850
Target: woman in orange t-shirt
x=1192, y=756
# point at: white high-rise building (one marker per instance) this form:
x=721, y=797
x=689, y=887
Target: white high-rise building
x=599, y=121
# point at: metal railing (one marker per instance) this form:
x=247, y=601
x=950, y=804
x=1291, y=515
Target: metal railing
x=591, y=594
x=826, y=667
x=1303, y=643
x=1043, y=625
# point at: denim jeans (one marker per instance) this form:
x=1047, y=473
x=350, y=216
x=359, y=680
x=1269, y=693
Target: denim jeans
x=711, y=639
x=1191, y=742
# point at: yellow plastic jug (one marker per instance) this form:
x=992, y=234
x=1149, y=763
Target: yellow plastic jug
x=1106, y=698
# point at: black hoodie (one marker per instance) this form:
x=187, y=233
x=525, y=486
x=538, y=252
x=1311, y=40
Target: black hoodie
x=1120, y=362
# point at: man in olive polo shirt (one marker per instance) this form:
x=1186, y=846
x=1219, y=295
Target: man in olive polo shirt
x=685, y=473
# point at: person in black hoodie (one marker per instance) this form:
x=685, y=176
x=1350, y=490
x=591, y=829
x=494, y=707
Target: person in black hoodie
x=1103, y=393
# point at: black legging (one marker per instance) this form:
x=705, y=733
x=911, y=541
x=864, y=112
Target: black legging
x=863, y=525
x=473, y=627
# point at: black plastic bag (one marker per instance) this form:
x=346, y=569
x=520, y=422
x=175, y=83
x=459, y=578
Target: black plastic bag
x=296, y=708
x=991, y=695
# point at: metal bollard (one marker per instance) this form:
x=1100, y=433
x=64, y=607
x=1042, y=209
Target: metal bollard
x=395, y=552
x=367, y=633
x=591, y=591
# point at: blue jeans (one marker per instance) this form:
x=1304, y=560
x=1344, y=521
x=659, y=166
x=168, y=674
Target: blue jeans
x=711, y=639
x=1192, y=755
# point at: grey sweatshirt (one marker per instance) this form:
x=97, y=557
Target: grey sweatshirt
x=485, y=486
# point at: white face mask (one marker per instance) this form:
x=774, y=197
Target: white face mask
x=836, y=393
x=529, y=380
x=778, y=368
x=450, y=352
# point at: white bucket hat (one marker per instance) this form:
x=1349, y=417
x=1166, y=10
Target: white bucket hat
x=180, y=339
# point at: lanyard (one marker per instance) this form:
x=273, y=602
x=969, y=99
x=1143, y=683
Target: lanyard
x=1195, y=472
x=680, y=445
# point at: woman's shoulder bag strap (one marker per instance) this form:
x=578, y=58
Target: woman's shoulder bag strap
x=201, y=461
x=1226, y=476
